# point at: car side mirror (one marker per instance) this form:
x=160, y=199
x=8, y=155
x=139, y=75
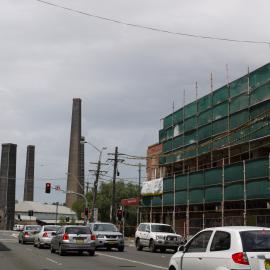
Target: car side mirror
x=147, y=230
x=182, y=248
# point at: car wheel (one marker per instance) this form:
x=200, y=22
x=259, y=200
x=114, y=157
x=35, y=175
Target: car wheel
x=52, y=249
x=23, y=242
x=91, y=252
x=39, y=245
x=152, y=246
x=121, y=248
x=162, y=250
x=61, y=252
x=172, y=268
x=138, y=244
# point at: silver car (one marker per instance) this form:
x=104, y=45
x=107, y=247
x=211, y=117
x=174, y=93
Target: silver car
x=107, y=235
x=28, y=233
x=73, y=238
x=44, y=237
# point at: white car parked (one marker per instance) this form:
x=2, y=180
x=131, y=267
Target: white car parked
x=225, y=248
x=156, y=236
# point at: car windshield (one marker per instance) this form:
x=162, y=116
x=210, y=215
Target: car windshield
x=32, y=228
x=162, y=228
x=105, y=227
x=258, y=240
x=78, y=230
x=51, y=228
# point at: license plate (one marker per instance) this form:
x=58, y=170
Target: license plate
x=112, y=242
x=79, y=242
x=267, y=264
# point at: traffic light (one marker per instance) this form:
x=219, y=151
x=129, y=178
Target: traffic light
x=86, y=211
x=48, y=188
x=67, y=219
x=30, y=213
x=119, y=214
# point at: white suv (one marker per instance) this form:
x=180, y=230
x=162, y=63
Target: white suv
x=225, y=248
x=156, y=236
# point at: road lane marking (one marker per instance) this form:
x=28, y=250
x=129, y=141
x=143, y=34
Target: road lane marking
x=53, y=261
x=132, y=261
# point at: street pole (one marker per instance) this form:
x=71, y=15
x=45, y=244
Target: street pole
x=96, y=186
x=56, y=213
x=138, y=212
x=113, y=187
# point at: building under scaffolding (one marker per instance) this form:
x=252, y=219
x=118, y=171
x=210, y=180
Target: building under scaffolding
x=214, y=163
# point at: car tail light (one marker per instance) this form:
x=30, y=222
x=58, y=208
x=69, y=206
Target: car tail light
x=93, y=237
x=65, y=236
x=45, y=234
x=240, y=258
x=26, y=234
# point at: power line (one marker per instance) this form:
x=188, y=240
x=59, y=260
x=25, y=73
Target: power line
x=153, y=28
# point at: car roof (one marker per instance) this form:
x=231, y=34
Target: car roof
x=148, y=223
x=99, y=222
x=238, y=228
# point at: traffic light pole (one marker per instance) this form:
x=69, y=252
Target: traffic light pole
x=85, y=200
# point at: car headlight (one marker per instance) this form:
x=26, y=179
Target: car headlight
x=100, y=236
x=160, y=237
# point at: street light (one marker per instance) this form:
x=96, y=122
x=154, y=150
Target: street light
x=97, y=175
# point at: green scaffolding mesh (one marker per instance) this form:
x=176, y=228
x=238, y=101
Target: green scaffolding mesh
x=167, y=146
x=196, y=180
x=178, y=116
x=239, y=119
x=192, y=152
x=260, y=109
x=156, y=200
x=213, y=176
x=220, y=95
x=204, y=132
x=258, y=189
x=190, y=123
x=168, y=199
x=239, y=103
x=181, y=182
x=190, y=138
x=257, y=168
x=220, y=126
x=259, y=76
x=167, y=122
x=162, y=135
x=205, y=103
x=205, y=118
x=190, y=109
x=168, y=184
x=178, y=142
x=239, y=86
x=259, y=94
x=196, y=196
x=220, y=111
x=234, y=192
x=180, y=197
x=213, y=194
x=233, y=172
x=204, y=148
x=219, y=143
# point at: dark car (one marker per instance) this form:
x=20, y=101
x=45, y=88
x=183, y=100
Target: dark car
x=73, y=238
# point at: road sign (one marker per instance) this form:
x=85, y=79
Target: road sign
x=58, y=188
x=130, y=201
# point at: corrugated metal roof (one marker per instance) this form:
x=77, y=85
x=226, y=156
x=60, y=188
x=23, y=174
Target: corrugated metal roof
x=42, y=208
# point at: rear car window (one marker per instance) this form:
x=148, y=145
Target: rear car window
x=32, y=228
x=78, y=230
x=105, y=227
x=257, y=240
x=51, y=229
x=221, y=241
x=162, y=228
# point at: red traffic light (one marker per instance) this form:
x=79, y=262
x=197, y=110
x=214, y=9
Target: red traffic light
x=48, y=187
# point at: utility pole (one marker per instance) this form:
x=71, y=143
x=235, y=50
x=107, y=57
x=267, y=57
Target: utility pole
x=114, y=180
x=97, y=173
x=87, y=187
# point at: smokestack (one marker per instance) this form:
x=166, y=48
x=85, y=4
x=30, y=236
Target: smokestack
x=29, y=174
x=75, y=178
x=7, y=186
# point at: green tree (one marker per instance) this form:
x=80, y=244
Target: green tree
x=104, y=200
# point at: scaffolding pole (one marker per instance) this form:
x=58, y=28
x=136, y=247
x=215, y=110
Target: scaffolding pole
x=151, y=209
x=197, y=142
x=187, y=211
x=211, y=153
x=222, y=202
x=228, y=110
x=183, y=113
x=245, y=193
x=248, y=91
x=174, y=201
x=162, y=208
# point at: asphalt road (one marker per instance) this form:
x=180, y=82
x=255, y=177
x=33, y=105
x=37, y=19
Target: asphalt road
x=15, y=256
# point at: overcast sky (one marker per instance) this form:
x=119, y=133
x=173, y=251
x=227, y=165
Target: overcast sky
x=126, y=77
